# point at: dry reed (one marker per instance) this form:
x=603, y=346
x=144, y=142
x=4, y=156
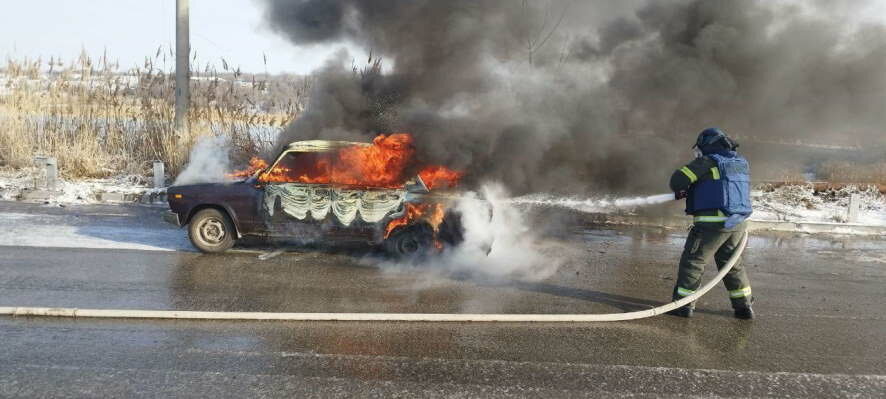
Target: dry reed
x=100, y=121
x=849, y=172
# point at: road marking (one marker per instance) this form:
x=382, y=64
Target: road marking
x=269, y=255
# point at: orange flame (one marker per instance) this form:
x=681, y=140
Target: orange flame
x=439, y=176
x=255, y=164
x=430, y=212
x=382, y=164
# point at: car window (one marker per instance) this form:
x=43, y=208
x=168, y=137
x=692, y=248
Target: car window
x=306, y=167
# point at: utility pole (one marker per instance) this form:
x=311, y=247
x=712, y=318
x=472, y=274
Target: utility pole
x=182, y=65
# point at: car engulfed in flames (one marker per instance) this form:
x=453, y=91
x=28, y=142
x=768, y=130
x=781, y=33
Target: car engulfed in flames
x=321, y=191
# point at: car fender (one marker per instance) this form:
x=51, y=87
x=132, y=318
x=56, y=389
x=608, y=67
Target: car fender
x=227, y=209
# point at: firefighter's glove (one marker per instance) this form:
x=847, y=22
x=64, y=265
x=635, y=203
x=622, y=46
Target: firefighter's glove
x=681, y=194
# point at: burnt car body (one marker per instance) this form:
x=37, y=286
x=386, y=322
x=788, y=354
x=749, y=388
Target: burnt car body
x=217, y=214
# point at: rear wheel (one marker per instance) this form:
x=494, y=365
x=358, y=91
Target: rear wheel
x=211, y=231
x=411, y=241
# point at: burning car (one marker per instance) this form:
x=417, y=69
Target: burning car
x=321, y=191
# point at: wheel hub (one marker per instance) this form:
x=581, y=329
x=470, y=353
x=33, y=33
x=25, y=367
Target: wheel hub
x=409, y=245
x=212, y=231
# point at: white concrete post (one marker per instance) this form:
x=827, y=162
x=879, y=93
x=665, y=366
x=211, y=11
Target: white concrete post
x=159, y=175
x=40, y=164
x=51, y=174
x=854, y=208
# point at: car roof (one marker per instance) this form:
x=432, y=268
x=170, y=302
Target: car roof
x=321, y=145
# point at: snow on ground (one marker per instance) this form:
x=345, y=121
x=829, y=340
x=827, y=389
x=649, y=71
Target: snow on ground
x=82, y=191
x=13, y=181
x=800, y=203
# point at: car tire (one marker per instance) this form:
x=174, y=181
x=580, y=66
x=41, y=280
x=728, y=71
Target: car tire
x=452, y=231
x=211, y=231
x=412, y=241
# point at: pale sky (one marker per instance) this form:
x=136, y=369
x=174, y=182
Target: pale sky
x=133, y=29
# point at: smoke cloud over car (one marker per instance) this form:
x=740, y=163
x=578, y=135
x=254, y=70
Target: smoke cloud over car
x=542, y=94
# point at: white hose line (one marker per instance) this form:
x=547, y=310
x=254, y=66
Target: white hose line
x=425, y=317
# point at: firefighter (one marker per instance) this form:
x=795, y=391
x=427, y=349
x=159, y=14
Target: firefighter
x=716, y=186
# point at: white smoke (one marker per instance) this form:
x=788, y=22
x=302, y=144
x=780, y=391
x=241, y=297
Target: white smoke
x=208, y=162
x=498, y=240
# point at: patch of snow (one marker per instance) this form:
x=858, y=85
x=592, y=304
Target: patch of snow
x=801, y=203
x=83, y=191
x=12, y=182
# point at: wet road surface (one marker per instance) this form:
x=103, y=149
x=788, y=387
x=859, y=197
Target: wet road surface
x=820, y=332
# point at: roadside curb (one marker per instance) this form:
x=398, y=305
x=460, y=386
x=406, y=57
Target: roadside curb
x=148, y=197
x=818, y=227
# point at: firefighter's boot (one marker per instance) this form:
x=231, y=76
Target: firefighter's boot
x=744, y=313
x=682, y=311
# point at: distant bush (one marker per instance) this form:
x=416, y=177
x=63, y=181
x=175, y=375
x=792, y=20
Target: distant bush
x=848, y=172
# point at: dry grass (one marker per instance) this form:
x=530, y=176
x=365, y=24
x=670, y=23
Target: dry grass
x=846, y=172
x=100, y=121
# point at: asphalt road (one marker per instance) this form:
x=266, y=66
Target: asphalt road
x=821, y=330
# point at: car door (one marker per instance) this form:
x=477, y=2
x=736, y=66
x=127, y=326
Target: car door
x=363, y=212
x=297, y=197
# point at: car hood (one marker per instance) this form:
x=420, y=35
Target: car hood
x=205, y=188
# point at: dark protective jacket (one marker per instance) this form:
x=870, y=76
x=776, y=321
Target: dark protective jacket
x=715, y=192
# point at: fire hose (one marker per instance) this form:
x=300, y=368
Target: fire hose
x=391, y=317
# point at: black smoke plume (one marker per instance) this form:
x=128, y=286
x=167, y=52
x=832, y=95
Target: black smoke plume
x=572, y=96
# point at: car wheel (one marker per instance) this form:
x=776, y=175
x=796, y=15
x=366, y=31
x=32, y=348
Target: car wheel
x=211, y=231
x=411, y=241
x=452, y=232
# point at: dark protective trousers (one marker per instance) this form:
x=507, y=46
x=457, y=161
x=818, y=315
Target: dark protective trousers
x=711, y=241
